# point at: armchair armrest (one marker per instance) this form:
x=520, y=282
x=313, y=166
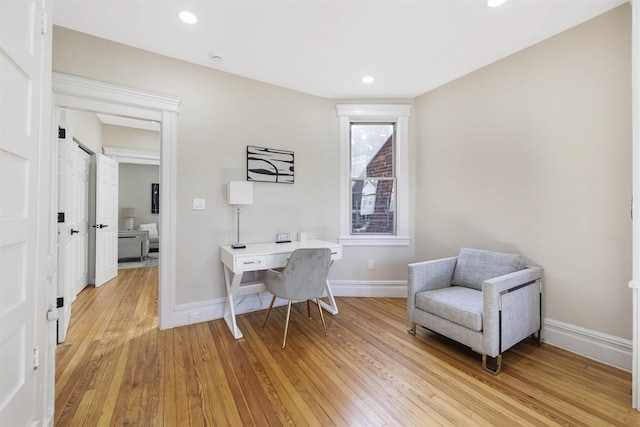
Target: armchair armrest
x=512, y=280
x=493, y=288
x=492, y=294
x=428, y=275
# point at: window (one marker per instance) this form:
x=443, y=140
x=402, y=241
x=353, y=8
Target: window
x=374, y=174
x=373, y=178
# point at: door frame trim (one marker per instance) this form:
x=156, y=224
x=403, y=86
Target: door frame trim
x=100, y=97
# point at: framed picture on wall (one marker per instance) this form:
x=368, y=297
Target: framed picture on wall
x=269, y=165
x=155, y=198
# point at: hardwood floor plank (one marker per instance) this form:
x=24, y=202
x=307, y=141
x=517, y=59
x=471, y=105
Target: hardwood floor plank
x=84, y=408
x=117, y=368
x=168, y=392
x=252, y=404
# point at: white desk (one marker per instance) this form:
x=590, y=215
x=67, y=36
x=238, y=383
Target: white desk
x=263, y=256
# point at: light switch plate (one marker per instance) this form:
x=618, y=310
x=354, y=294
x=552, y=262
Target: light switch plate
x=198, y=204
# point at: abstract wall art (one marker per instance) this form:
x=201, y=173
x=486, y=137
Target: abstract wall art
x=269, y=165
x=155, y=198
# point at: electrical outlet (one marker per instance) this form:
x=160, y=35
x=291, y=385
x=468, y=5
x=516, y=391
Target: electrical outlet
x=194, y=315
x=283, y=237
x=371, y=264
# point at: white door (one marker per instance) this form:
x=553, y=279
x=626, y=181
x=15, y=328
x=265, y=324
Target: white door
x=79, y=218
x=73, y=209
x=106, y=219
x=24, y=202
x=65, y=242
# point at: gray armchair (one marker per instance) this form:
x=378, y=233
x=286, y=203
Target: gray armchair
x=486, y=300
x=154, y=239
x=303, y=278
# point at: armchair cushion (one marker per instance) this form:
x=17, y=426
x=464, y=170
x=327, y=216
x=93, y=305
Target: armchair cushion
x=474, y=266
x=152, y=228
x=457, y=304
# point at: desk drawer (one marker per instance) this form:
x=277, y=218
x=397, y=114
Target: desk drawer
x=278, y=260
x=251, y=262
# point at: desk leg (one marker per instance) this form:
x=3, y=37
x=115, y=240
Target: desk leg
x=331, y=307
x=232, y=281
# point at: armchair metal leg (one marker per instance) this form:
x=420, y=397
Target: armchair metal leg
x=268, y=312
x=412, y=330
x=538, y=337
x=491, y=369
x=286, y=326
x=324, y=325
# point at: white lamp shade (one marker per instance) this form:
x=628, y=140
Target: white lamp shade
x=240, y=193
x=129, y=212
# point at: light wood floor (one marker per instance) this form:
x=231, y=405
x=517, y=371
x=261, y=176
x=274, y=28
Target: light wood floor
x=116, y=368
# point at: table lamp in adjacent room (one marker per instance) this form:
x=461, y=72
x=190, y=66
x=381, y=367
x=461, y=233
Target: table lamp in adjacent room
x=129, y=214
x=239, y=193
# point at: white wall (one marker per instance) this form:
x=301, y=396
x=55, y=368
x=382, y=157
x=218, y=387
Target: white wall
x=134, y=191
x=220, y=114
x=136, y=139
x=533, y=155
x=87, y=128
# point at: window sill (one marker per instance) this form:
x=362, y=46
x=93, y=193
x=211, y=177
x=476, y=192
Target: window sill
x=374, y=240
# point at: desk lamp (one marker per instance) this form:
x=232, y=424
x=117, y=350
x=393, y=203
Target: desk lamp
x=239, y=193
x=129, y=214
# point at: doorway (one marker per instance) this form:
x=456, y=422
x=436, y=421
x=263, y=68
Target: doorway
x=89, y=228
x=77, y=93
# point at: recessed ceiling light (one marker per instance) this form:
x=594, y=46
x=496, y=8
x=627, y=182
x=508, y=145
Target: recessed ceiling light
x=367, y=79
x=495, y=3
x=188, y=17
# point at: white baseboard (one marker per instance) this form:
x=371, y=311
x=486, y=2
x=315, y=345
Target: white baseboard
x=364, y=288
x=187, y=314
x=595, y=345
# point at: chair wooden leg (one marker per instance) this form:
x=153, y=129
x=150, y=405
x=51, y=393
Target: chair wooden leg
x=268, y=312
x=286, y=326
x=324, y=325
x=309, y=309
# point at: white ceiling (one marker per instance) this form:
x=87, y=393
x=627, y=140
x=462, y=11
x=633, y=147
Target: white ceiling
x=325, y=47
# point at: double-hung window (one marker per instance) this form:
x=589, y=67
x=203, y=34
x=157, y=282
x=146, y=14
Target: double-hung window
x=374, y=174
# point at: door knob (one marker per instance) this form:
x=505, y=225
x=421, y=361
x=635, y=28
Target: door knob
x=74, y=231
x=100, y=225
x=52, y=315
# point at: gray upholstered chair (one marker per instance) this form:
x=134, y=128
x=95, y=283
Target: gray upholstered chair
x=303, y=278
x=486, y=300
x=154, y=238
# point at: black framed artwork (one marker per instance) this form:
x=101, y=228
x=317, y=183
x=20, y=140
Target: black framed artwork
x=269, y=165
x=155, y=198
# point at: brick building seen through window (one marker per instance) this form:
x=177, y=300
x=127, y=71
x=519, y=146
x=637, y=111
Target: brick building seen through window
x=373, y=179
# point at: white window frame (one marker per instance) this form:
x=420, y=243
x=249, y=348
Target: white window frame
x=375, y=113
